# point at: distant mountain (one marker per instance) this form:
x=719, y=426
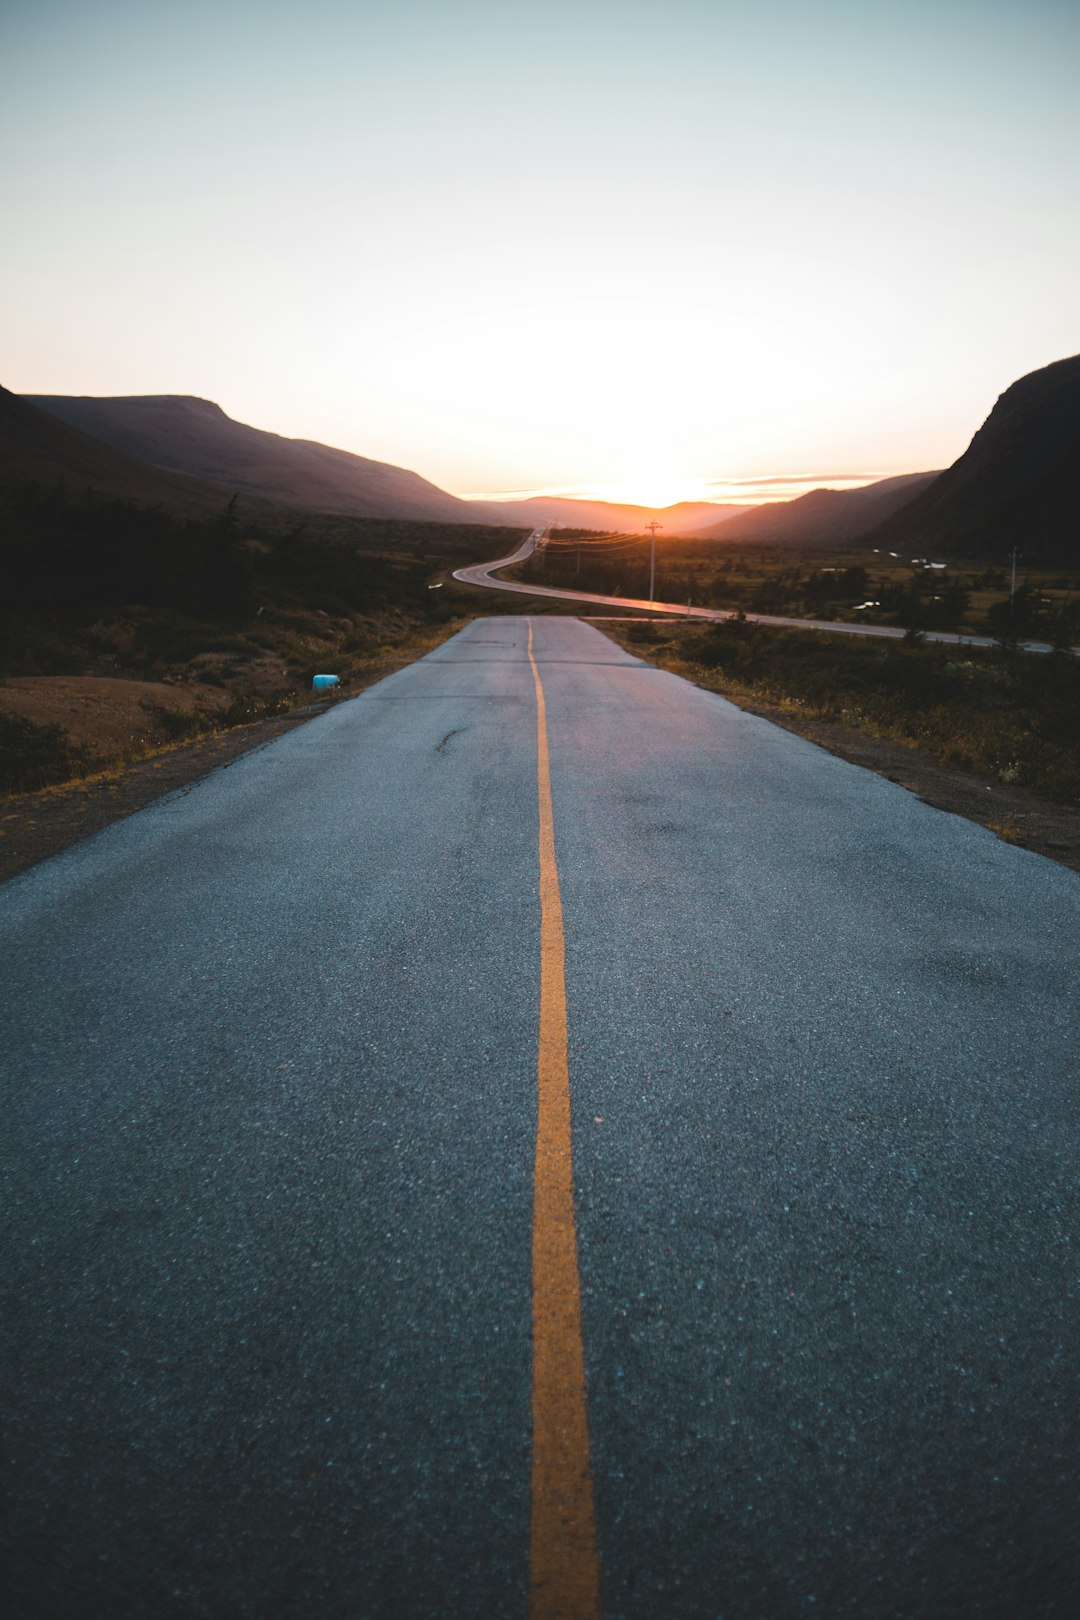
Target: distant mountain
x=685, y=517
x=1017, y=483
x=189, y=435
x=826, y=515
x=35, y=447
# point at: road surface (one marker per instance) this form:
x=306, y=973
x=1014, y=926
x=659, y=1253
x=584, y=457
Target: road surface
x=280, y=1245
x=487, y=577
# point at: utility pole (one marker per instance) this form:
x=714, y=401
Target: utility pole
x=652, y=561
x=1014, y=553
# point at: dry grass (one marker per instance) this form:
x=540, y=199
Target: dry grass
x=59, y=748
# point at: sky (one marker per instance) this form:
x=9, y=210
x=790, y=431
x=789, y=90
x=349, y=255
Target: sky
x=690, y=249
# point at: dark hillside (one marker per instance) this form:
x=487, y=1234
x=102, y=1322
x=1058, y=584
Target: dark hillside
x=195, y=436
x=124, y=627
x=72, y=562
x=825, y=516
x=37, y=448
x=185, y=434
x=1017, y=484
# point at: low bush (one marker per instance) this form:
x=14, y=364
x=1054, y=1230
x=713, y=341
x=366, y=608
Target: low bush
x=33, y=756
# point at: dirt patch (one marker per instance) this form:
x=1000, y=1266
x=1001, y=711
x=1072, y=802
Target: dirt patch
x=106, y=714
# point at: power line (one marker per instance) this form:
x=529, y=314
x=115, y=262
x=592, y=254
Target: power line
x=596, y=538
x=601, y=548
x=652, y=561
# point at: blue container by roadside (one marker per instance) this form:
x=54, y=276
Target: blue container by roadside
x=323, y=683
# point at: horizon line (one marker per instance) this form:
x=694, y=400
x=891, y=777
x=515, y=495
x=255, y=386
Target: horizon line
x=707, y=491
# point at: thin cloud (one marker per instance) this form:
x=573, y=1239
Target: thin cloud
x=565, y=491
x=772, y=481
x=714, y=491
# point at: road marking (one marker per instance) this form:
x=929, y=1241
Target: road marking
x=564, y=1570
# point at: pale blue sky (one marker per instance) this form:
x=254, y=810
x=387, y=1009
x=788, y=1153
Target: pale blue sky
x=549, y=245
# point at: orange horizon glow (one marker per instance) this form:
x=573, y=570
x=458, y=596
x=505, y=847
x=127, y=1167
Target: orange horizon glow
x=659, y=493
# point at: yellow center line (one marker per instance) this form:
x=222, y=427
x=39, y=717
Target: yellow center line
x=564, y=1571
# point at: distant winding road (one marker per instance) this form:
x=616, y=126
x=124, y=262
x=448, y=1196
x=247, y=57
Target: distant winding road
x=485, y=575
x=538, y=1139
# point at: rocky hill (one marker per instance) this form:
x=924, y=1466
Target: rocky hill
x=1015, y=485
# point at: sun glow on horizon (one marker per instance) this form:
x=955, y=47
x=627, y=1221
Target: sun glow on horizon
x=660, y=493
x=590, y=302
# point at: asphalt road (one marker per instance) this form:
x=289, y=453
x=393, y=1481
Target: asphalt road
x=269, y=1122
x=488, y=577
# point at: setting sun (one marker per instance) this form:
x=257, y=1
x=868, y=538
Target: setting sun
x=686, y=305
x=650, y=487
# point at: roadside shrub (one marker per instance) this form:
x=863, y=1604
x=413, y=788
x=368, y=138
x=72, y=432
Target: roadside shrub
x=33, y=756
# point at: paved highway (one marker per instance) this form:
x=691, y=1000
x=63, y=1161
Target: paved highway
x=306, y=1315
x=487, y=577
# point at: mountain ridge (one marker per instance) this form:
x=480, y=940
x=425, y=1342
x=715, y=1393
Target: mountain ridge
x=1016, y=483
x=682, y=517
x=36, y=446
x=825, y=515
x=1014, y=486
x=185, y=433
